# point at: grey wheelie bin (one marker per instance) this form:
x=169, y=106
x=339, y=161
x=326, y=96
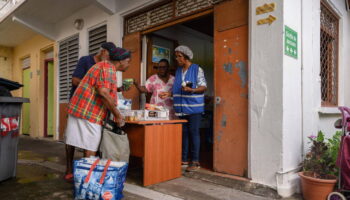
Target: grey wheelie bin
x=10, y=115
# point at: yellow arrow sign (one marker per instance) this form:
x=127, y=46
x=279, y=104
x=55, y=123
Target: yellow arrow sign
x=265, y=8
x=268, y=20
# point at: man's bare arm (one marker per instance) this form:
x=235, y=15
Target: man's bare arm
x=75, y=81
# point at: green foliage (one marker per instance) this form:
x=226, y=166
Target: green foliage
x=322, y=157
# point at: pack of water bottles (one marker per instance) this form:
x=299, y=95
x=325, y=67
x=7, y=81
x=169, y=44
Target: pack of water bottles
x=96, y=179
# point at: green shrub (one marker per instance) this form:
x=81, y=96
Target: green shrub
x=320, y=161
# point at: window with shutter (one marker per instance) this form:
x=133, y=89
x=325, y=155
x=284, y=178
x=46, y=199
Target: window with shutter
x=97, y=36
x=68, y=59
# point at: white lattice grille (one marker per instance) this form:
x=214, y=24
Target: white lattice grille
x=137, y=23
x=160, y=14
x=187, y=6
x=166, y=12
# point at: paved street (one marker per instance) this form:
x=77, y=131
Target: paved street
x=41, y=167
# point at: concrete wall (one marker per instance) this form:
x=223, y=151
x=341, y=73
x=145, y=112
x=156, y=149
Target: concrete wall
x=286, y=108
x=6, y=62
x=92, y=16
x=265, y=90
x=311, y=92
x=303, y=113
x=34, y=48
x=287, y=179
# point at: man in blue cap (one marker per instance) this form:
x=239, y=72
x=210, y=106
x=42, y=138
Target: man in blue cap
x=86, y=62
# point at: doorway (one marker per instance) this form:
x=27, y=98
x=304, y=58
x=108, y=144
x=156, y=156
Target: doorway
x=198, y=35
x=49, y=98
x=223, y=54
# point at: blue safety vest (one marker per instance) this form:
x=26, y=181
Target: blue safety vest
x=186, y=102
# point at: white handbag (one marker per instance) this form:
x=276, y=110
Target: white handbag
x=114, y=143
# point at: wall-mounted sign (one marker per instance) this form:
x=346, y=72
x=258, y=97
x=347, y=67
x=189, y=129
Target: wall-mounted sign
x=290, y=42
x=159, y=53
x=268, y=20
x=265, y=8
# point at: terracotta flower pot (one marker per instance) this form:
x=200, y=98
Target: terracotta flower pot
x=315, y=188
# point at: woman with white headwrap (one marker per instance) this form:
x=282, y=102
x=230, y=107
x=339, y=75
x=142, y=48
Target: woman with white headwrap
x=188, y=92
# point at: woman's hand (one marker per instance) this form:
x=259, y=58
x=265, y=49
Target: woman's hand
x=187, y=89
x=164, y=95
x=140, y=88
x=120, y=122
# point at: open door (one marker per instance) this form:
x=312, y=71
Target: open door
x=132, y=42
x=231, y=87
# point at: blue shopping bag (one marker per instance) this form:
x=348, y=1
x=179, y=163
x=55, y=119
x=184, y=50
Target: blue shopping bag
x=96, y=179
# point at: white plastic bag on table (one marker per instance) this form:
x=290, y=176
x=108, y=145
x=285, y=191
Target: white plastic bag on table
x=123, y=104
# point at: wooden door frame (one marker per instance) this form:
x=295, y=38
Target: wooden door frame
x=23, y=69
x=149, y=33
x=46, y=92
x=198, y=15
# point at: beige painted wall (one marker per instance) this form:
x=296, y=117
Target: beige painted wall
x=6, y=62
x=35, y=48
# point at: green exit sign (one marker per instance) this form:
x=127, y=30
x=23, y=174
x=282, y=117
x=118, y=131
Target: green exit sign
x=290, y=42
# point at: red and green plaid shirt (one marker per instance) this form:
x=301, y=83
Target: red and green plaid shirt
x=85, y=102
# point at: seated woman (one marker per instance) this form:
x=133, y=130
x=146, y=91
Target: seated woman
x=158, y=83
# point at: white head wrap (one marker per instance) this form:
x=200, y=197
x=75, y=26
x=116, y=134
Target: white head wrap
x=185, y=50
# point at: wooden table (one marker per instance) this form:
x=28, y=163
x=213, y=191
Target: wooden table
x=159, y=144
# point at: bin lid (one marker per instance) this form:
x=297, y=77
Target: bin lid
x=13, y=100
x=10, y=85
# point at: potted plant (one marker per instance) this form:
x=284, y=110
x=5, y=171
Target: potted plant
x=319, y=174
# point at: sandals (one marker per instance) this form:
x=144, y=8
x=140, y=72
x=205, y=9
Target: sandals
x=68, y=177
x=194, y=166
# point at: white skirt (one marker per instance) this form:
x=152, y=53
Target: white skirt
x=82, y=133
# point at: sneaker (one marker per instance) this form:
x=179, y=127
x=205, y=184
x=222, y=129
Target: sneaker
x=184, y=163
x=194, y=166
